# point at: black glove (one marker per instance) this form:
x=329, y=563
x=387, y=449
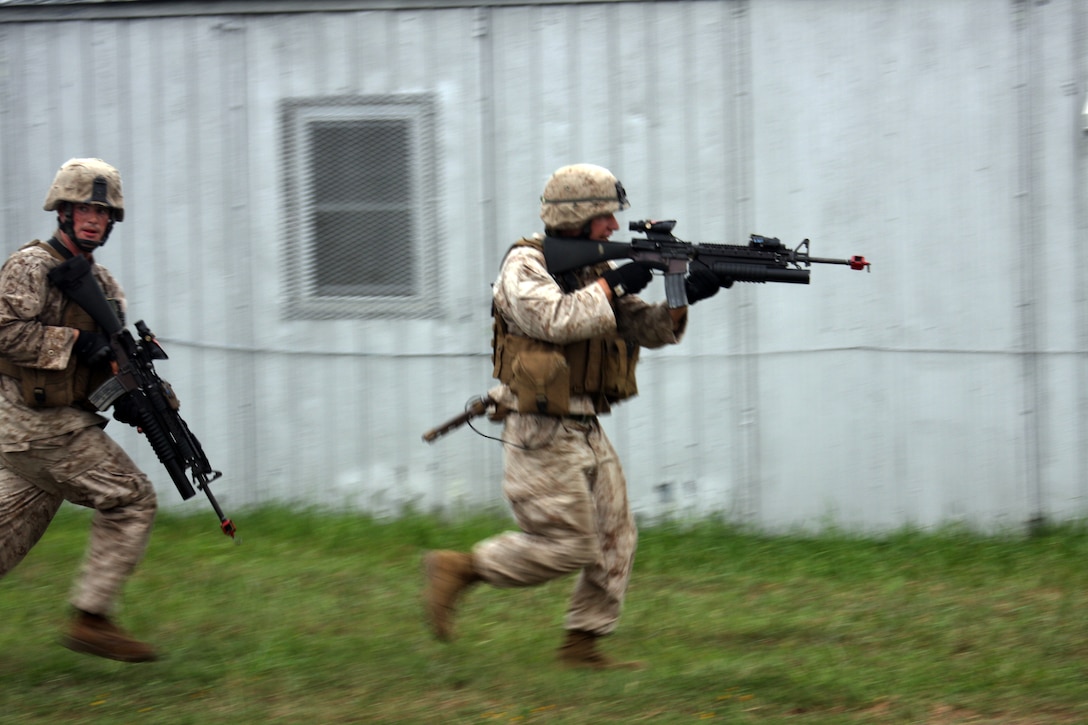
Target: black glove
x=125, y=410
x=628, y=279
x=92, y=348
x=701, y=283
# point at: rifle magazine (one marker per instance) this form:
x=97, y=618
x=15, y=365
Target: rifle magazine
x=106, y=393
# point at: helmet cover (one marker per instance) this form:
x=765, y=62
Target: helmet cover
x=87, y=181
x=577, y=193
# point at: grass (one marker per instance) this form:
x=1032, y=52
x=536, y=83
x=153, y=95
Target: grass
x=315, y=618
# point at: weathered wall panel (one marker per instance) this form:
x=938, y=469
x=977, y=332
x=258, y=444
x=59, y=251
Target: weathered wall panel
x=940, y=139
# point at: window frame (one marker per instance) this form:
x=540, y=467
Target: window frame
x=303, y=301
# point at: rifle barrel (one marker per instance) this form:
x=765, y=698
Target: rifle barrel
x=855, y=262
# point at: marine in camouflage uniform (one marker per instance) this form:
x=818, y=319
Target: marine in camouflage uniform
x=562, y=477
x=53, y=446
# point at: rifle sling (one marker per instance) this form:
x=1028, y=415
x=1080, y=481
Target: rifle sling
x=62, y=252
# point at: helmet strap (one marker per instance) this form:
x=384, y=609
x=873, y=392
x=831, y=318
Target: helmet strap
x=65, y=220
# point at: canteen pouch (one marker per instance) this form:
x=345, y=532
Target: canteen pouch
x=541, y=380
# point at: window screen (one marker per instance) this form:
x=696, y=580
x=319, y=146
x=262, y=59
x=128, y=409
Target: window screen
x=360, y=200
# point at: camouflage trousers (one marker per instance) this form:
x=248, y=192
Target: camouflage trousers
x=568, y=494
x=89, y=469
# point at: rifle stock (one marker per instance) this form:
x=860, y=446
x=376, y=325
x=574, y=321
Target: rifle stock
x=565, y=254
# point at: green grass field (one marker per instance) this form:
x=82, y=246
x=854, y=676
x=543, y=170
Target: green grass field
x=317, y=619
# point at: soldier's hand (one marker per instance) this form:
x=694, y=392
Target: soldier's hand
x=701, y=283
x=126, y=411
x=629, y=278
x=92, y=347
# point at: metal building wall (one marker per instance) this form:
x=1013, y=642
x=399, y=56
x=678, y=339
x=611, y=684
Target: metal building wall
x=942, y=140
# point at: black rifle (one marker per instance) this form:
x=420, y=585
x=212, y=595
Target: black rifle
x=764, y=259
x=152, y=399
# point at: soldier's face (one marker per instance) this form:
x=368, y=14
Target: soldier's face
x=90, y=221
x=601, y=227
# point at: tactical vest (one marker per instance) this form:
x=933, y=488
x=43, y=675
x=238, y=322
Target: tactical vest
x=544, y=375
x=57, y=388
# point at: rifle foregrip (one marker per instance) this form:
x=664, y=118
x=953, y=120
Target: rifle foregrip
x=759, y=273
x=160, y=443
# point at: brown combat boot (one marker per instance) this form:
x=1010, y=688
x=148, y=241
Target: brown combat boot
x=96, y=635
x=579, y=649
x=448, y=573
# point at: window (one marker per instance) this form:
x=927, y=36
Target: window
x=360, y=202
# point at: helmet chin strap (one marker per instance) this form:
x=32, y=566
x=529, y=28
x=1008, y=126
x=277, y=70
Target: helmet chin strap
x=68, y=227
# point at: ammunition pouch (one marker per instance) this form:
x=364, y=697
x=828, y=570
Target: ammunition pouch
x=544, y=375
x=52, y=388
x=619, y=358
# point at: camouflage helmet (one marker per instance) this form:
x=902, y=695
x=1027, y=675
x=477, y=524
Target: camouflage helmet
x=577, y=193
x=87, y=181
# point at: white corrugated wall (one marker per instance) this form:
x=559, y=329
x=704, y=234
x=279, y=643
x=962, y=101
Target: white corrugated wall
x=943, y=140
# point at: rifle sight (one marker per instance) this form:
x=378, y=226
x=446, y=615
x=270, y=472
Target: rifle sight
x=769, y=244
x=653, y=228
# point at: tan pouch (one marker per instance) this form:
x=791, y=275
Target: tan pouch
x=47, y=388
x=541, y=380
x=618, y=366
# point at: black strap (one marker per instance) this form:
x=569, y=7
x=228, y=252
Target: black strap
x=61, y=249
